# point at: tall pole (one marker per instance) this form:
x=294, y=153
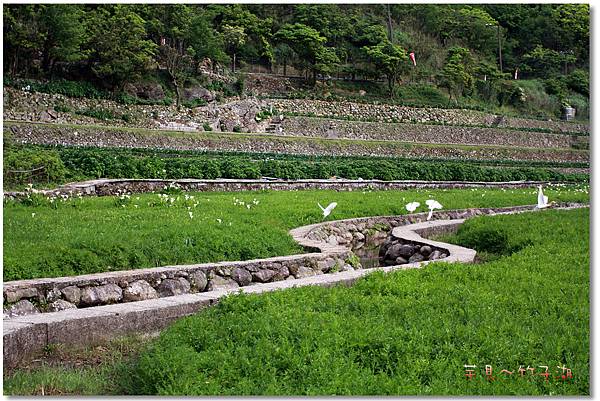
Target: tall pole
x=499, y=48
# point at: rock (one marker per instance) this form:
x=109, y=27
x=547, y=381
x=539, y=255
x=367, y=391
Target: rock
x=347, y=268
x=252, y=268
x=241, y=276
x=16, y=295
x=359, y=236
x=435, y=255
x=401, y=261
x=72, y=294
x=198, y=92
x=174, y=286
x=199, y=280
x=102, y=294
x=59, y=305
x=221, y=283
x=425, y=250
x=332, y=240
x=399, y=250
x=264, y=275
x=282, y=273
x=150, y=90
x=138, y=291
x=21, y=308
x=417, y=257
x=53, y=295
x=223, y=271
x=304, y=271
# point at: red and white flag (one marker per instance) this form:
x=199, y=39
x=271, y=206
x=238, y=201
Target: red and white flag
x=412, y=57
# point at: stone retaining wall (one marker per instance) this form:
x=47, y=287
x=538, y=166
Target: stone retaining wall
x=21, y=105
x=42, y=107
x=54, y=134
x=423, y=133
x=390, y=113
x=111, y=187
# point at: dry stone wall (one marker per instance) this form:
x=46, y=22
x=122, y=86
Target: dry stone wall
x=42, y=107
x=115, y=187
x=424, y=133
x=391, y=113
x=22, y=105
x=53, y=134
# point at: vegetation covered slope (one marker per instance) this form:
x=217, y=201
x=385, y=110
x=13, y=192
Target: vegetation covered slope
x=456, y=47
x=408, y=332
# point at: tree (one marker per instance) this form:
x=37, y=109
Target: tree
x=283, y=54
x=121, y=50
x=388, y=58
x=456, y=74
x=309, y=45
x=23, y=36
x=178, y=65
x=234, y=37
x=544, y=62
x=65, y=34
x=205, y=41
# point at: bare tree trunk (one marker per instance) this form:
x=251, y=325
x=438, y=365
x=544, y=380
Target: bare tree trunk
x=389, y=24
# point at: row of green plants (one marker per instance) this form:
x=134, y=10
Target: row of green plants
x=168, y=153
x=76, y=164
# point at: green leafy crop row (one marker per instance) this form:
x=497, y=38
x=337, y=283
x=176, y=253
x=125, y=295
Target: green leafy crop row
x=74, y=163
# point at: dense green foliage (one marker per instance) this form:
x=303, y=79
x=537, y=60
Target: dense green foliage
x=410, y=332
x=114, y=44
x=117, y=233
x=71, y=164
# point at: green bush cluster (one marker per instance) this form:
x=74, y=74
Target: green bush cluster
x=23, y=159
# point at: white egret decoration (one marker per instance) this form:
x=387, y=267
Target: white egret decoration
x=432, y=204
x=412, y=206
x=327, y=210
x=542, y=200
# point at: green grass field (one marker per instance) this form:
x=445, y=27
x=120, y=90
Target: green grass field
x=406, y=333
x=89, y=235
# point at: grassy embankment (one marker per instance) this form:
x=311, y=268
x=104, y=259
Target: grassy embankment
x=44, y=238
x=410, y=332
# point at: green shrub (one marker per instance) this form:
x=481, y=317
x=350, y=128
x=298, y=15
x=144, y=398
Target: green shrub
x=195, y=103
x=237, y=128
x=207, y=127
x=26, y=165
x=579, y=81
x=62, y=108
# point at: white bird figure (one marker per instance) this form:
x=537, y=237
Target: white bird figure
x=433, y=204
x=327, y=210
x=542, y=200
x=412, y=206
